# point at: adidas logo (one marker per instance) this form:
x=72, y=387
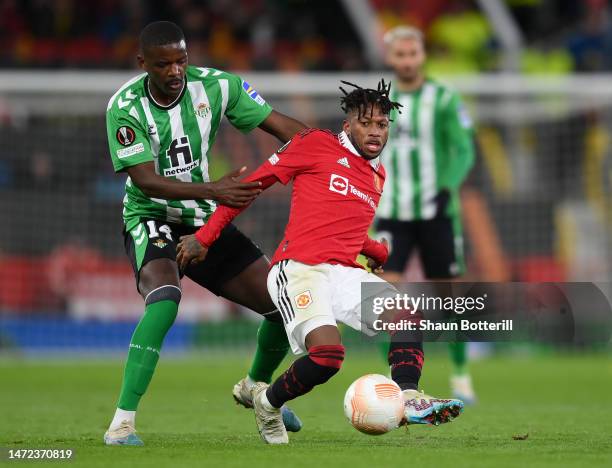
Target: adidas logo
x=344, y=162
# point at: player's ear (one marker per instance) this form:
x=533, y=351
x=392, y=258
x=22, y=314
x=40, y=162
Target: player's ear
x=140, y=60
x=346, y=127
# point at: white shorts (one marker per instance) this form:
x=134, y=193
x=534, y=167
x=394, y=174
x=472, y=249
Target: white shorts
x=310, y=296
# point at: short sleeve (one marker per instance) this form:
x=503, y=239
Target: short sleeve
x=290, y=160
x=128, y=143
x=458, y=115
x=246, y=108
x=459, y=143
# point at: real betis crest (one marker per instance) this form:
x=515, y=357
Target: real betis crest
x=160, y=243
x=202, y=110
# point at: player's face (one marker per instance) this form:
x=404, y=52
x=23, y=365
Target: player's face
x=166, y=67
x=369, y=132
x=406, y=57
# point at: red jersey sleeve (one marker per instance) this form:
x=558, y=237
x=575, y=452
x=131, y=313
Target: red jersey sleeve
x=224, y=215
x=289, y=160
x=377, y=251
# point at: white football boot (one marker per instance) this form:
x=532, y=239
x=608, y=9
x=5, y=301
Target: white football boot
x=125, y=434
x=242, y=395
x=269, y=419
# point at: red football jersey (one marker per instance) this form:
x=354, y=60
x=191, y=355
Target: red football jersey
x=334, y=198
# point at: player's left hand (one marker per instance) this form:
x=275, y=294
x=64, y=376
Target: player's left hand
x=373, y=265
x=442, y=200
x=189, y=251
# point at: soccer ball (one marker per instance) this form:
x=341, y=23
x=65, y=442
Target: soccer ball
x=374, y=404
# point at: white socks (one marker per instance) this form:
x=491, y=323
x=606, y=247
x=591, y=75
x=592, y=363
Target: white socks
x=120, y=416
x=249, y=382
x=266, y=404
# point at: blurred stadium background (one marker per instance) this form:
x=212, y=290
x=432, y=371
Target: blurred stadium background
x=535, y=75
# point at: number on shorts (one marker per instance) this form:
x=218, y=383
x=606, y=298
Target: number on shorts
x=153, y=230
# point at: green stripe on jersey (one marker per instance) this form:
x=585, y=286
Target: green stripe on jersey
x=177, y=139
x=414, y=153
x=413, y=156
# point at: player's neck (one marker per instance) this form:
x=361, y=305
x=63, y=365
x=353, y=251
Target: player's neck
x=407, y=86
x=162, y=99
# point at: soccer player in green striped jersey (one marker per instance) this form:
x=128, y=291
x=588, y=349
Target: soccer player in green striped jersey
x=428, y=156
x=161, y=126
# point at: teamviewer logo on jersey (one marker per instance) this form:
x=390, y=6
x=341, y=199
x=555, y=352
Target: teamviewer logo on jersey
x=338, y=184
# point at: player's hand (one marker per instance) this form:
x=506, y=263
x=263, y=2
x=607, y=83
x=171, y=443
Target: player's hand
x=229, y=191
x=189, y=251
x=442, y=200
x=372, y=264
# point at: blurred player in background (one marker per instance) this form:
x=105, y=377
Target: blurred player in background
x=429, y=155
x=315, y=279
x=161, y=126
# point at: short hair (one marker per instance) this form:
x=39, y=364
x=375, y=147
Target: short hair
x=360, y=99
x=160, y=33
x=403, y=32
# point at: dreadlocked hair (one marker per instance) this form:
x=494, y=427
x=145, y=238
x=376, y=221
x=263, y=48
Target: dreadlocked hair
x=360, y=99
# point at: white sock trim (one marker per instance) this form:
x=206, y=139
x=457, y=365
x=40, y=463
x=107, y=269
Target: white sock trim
x=266, y=404
x=249, y=382
x=120, y=416
x=164, y=286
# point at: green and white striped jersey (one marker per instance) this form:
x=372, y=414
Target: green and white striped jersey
x=176, y=138
x=430, y=148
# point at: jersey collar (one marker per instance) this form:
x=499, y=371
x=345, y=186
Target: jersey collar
x=161, y=106
x=346, y=142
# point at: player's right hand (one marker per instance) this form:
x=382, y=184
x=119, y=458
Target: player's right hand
x=373, y=265
x=189, y=251
x=229, y=191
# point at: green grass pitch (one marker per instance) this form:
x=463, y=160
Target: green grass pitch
x=188, y=418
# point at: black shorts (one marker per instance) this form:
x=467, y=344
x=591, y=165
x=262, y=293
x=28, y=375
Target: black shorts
x=228, y=256
x=439, y=242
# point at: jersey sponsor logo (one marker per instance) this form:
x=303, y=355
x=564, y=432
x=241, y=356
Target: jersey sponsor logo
x=363, y=196
x=344, y=162
x=152, y=129
x=131, y=151
x=338, y=184
x=180, y=157
x=202, y=110
x=254, y=95
x=341, y=185
x=303, y=300
x=274, y=159
x=125, y=135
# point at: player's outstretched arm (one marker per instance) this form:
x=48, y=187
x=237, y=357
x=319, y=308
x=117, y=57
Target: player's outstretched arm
x=228, y=190
x=281, y=126
x=193, y=248
x=376, y=253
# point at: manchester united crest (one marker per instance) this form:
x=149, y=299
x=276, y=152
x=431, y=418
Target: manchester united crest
x=377, y=183
x=303, y=300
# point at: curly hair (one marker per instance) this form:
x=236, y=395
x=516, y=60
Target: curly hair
x=360, y=99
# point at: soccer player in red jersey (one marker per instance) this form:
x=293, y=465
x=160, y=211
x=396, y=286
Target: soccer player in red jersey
x=315, y=279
